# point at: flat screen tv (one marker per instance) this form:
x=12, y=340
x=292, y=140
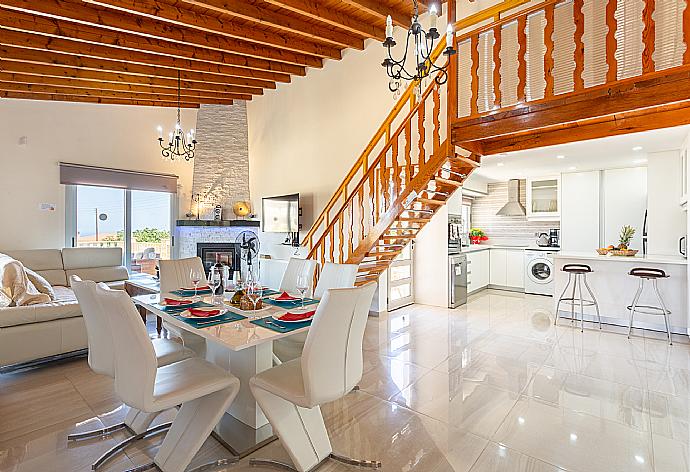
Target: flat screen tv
x=280, y=214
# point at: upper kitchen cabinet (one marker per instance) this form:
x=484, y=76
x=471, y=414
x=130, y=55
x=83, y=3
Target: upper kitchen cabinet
x=684, y=174
x=544, y=198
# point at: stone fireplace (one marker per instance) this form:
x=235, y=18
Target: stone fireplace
x=227, y=254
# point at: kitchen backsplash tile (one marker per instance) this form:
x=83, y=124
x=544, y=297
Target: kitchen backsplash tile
x=506, y=229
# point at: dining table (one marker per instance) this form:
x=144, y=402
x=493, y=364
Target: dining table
x=241, y=347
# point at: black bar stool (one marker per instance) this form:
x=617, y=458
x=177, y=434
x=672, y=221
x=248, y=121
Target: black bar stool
x=653, y=275
x=577, y=274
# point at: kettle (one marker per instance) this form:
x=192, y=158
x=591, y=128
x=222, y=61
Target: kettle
x=543, y=240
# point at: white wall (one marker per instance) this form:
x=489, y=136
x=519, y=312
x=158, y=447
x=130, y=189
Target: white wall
x=667, y=222
x=117, y=136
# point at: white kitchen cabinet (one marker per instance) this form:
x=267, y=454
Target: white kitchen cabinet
x=684, y=177
x=544, y=198
x=477, y=270
x=580, y=211
x=497, y=267
x=624, y=202
x=515, y=268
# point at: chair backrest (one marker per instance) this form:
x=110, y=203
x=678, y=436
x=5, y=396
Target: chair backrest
x=335, y=276
x=175, y=273
x=98, y=336
x=135, y=358
x=332, y=359
x=295, y=268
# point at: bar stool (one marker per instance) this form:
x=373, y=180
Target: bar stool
x=577, y=274
x=653, y=275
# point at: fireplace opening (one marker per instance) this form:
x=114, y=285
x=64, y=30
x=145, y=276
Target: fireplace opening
x=227, y=253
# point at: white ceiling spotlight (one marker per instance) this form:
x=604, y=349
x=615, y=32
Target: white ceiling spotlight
x=500, y=164
x=640, y=161
x=560, y=156
x=637, y=148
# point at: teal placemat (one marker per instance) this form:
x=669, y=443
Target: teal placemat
x=178, y=309
x=291, y=304
x=269, y=323
x=227, y=317
x=190, y=293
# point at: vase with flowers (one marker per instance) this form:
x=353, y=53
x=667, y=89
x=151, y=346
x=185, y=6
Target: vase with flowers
x=477, y=236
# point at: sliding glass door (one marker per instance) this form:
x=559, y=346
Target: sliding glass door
x=139, y=222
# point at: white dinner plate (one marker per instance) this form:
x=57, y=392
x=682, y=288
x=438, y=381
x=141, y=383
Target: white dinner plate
x=186, y=314
x=277, y=318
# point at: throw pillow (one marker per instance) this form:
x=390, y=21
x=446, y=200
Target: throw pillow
x=5, y=299
x=41, y=284
x=14, y=281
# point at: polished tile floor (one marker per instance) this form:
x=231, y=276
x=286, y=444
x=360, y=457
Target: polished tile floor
x=491, y=386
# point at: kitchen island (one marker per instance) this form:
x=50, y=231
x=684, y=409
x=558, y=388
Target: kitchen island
x=614, y=289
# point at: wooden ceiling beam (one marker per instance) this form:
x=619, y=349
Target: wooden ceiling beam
x=57, y=71
x=224, y=25
x=70, y=35
x=76, y=48
x=312, y=10
x=84, y=92
x=117, y=86
x=77, y=11
x=381, y=10
x=252, y=12
x=86, y=99
x=104, y=65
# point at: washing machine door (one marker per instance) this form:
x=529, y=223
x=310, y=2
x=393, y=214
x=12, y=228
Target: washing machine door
x=540, y=271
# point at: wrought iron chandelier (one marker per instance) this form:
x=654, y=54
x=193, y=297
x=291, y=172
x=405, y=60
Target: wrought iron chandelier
x=422, y=46
x=178, y=145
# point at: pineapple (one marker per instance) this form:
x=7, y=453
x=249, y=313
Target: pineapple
x=627, y=233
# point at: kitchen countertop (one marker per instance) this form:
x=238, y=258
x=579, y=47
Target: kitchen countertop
x=484, y=247
x=651, y=258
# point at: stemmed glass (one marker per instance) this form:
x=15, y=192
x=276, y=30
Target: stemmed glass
x=195, y=276
x=254, y=294
x=302, y=287
x=214, y=280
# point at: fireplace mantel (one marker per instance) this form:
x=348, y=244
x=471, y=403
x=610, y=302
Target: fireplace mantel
x=220, y=223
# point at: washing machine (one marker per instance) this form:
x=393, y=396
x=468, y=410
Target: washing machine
x=539, y=271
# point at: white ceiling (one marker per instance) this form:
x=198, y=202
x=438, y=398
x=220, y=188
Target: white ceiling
x=604, y=153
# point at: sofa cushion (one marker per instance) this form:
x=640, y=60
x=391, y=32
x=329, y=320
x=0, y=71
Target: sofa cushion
x=89, y=257
x=14, y=282
x=65, y=306
x=100, y=274
x=45, y=262
x=41, y=284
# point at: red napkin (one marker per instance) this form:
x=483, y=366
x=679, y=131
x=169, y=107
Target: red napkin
x=203, y=313
x=285, y=296
x=200, y=288
x=297, y=316
x=175, y=302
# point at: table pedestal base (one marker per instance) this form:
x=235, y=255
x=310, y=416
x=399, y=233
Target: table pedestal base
x=241, y=439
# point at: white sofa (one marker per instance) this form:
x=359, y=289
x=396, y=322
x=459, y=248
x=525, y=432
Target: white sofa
x=29, y=333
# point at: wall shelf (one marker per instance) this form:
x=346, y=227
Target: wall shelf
x=220, y=223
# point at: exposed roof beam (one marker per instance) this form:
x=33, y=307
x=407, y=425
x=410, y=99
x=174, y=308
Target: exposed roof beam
x=100, y=100
x=78, y=11
x=82, y=92
x=118, y=86
x=381, y=10
x=30, y=23
x=46, y=43
x=247, y=11
x=57, y=71
x=223, y=25
x=68, y=60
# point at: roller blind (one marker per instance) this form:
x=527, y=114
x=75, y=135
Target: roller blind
x=594, y=40
x=509, y=64
x=536, y=83
x=629, y=37
x=76, y=174
x=464, y=78
x=669, y=46
x=563, y=48
x=486, y=71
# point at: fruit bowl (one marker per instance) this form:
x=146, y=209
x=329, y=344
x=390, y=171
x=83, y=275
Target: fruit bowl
x=624, y=252
x=602, y=251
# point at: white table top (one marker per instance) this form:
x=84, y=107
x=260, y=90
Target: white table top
x=236, y=335
x=637, y=259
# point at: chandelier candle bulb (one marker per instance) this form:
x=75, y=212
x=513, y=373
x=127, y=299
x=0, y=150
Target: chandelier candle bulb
x=160, y=131
x=433, y=17
x=389, y=27
x=449, y=36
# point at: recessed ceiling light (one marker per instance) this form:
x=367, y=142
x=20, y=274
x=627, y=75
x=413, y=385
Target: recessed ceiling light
x=637, y=148
x=639, y=161
x=560, y=156
x=573, y=437
x=500, y=164
x=572, y=168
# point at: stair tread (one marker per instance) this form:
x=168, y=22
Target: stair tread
x=450, y=182
x=430, y=201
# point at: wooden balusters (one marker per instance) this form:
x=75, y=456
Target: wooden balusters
x=420, y=129
x=350, y=245
x=341, y=239
x=383, y=178
x=549, y=15
x=497, y=65
x=648, y=36
x=331, y=235
x=396, y=169
x=362, y=227
x=579, y=54
x=436, y=117
x=522, y=63
x=474, y=71
x=686, y=32
x=408, y=152
x=373, y=195
x=611, y=42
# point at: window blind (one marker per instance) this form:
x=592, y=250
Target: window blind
x=629, y=37
x=594, y=40
x=536, y=83
x=486, y=72
x=509, y=64
x=669, y=46
x=563, y=48
x=76, y=174
x=464, y=78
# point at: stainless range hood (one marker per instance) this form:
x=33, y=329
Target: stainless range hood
x=513, y=207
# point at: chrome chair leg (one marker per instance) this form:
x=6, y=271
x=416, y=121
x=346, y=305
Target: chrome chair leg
x=582, y=305
x=356, y=462
x=97, y=432
x=572, y=301
x=110, y=453
x=143, y=468
x=594, y=300
x=336, y=457
x=560, y=299
x=663, y=307
x=215, y=464
x=271, y=463
x=634, y=306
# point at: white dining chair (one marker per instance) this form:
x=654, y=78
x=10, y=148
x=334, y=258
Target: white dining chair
x=295, y=268
x=101, y=361
x=332, y=363
x=203, y=389
x=332, y=276
x=174, y=274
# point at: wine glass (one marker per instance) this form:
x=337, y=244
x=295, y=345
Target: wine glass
x=302, y=286
x=214, y=280
x=195, y=276
x=254, y=294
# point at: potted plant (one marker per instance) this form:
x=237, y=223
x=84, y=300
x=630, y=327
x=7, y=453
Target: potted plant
x=477, y=235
